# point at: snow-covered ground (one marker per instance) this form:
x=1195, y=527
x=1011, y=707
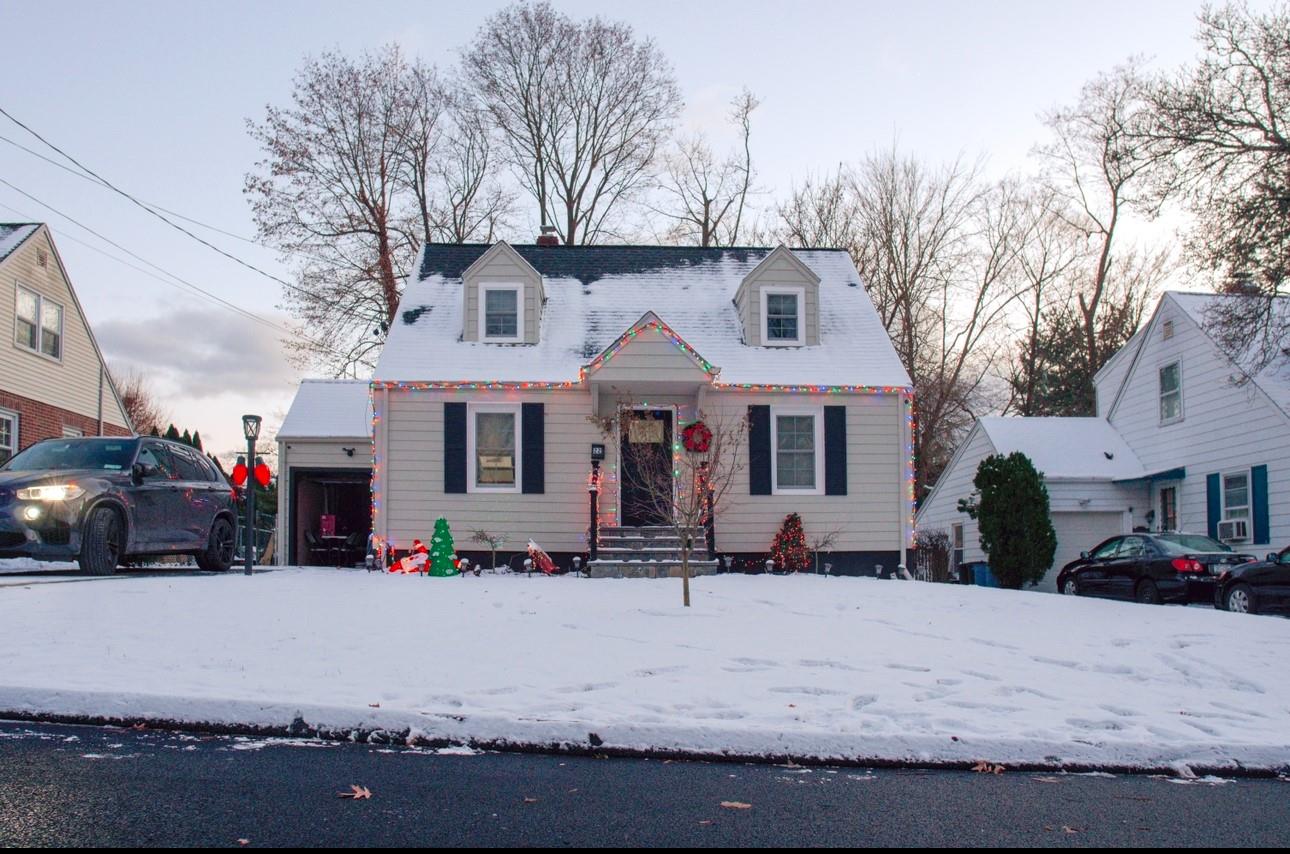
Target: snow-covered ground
x=801, y=666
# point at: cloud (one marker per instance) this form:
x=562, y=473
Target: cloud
x=198, y=353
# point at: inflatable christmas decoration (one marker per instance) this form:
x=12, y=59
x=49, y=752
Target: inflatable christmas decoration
x=541, y=560
x=443, y=558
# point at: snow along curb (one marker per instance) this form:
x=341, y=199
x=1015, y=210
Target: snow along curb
x=576, y=738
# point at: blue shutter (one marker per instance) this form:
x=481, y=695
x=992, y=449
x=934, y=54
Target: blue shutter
x=533, y=443
x=1214, y=503
x=759, y=450
x=1259, y=494
x=454, y=447
x=835, y=450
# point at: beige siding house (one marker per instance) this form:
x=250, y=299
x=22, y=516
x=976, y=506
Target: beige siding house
x=505, y=362
x=53, y=381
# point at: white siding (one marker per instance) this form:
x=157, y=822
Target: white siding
x=649, y=357
x=940, y=511
x=410, y=444
x=1225, y=427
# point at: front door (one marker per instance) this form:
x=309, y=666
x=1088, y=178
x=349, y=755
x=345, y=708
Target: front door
x=646, y=472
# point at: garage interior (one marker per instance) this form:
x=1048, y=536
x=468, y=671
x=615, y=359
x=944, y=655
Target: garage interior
x=334, y=509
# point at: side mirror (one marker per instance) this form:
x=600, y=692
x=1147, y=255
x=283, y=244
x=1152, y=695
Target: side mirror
x=137, y=473
x=1273, y=557
x=1083, y=555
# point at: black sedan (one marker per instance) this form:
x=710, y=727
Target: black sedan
x=1150, y=568
x=103, y=501
x=1256, y=587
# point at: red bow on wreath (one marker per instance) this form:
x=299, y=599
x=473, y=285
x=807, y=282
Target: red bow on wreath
x=697, y=438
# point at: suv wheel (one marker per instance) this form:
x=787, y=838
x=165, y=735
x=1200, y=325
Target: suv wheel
x=1070, y=588
x=1147, y=593
x=218, y=556
x=102, y=542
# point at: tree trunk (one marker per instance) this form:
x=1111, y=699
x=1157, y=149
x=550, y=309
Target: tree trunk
x=685, y=569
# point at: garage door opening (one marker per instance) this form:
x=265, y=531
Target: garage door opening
x=331, y=517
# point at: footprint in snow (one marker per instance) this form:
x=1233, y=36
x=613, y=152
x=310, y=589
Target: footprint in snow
x=859, y=701
x=805, y=689
x=910, y=667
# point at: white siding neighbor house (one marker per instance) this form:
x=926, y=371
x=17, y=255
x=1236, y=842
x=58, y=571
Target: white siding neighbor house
x=1182, y=441
x=491, y=394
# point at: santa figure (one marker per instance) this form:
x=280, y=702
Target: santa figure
x=415, y=561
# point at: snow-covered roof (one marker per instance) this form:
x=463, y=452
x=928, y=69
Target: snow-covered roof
x=1066, y=448
x=329, y=409
x=1273, y=379
x=13, y=234
x=595, y=294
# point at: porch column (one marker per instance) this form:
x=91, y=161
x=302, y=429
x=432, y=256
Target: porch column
x=593, y=491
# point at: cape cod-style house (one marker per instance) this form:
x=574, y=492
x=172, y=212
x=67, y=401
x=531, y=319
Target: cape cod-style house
x=53, y=380
x=501, y=359
x=1183, y=440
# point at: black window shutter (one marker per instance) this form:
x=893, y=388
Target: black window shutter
x=759, y=450
x=454, y=447
x=533, y=448
x=835, y=450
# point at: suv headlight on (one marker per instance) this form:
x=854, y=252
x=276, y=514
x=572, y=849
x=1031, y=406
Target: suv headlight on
x=55, y=492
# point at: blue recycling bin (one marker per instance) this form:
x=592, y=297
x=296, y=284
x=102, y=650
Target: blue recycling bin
x=984, y=576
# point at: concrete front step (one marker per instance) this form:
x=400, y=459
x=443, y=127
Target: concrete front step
x=648, y=568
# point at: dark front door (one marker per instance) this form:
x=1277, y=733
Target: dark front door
x=646, y=473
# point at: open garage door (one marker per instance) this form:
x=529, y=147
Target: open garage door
x=331, y=516
x=1078, y=532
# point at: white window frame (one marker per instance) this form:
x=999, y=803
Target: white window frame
x=1248, y=506
x=472, y=484
x=816, y=412
x=12, y=417
x=518, y=290
x=41, y=299
x=1160, y=392
x=800, y=293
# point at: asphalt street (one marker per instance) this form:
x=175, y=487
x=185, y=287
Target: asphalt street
x=90, y=786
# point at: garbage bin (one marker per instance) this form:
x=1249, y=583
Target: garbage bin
x=984, y=576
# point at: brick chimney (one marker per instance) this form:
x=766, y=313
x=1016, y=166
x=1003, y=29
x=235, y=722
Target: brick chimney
x=548, y=237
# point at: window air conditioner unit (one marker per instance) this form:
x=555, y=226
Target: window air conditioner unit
x=1233, y=530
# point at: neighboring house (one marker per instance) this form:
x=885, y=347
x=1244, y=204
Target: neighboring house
x=502, y=358
x=53, y=381
x=1085, y=464
x=324, y=467
x=1211, y=446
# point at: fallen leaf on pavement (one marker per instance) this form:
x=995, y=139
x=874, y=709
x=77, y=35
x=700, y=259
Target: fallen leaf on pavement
x=530, y=800
x=705, y=821
x=987, y=768
x=736, y=805
x=357, y=793
x=1067, y=829
x=373, y=705
x=243, y=842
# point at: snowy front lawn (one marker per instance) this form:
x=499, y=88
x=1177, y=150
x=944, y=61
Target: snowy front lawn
x=800, y=666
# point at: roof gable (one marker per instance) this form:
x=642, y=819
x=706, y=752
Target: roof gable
x=650, y=326
x=780, y=253
x=499, y=248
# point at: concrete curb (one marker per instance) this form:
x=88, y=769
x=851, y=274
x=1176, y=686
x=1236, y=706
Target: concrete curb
x=299, y=728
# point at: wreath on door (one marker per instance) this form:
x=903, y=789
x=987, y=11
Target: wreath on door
x=697, y=438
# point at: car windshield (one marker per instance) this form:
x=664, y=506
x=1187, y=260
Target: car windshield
x=1179, y=544
x=64, y=454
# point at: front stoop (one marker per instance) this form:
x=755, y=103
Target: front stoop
x=648, y=568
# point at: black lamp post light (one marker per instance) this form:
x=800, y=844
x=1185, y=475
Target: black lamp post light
x=251, y=429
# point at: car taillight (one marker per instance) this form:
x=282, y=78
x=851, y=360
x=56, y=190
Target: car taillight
x=1183, y=564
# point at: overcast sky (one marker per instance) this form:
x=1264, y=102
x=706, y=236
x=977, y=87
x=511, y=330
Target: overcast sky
x=155, y=96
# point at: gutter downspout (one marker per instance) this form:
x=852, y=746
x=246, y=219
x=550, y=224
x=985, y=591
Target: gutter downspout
x=102, y=371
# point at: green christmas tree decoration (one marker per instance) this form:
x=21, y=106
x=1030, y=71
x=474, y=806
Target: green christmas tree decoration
x=442, y=552
x=1011, y=510
x=789, y=550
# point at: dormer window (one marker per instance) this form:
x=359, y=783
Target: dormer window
x=499, y=321
x=782, y=320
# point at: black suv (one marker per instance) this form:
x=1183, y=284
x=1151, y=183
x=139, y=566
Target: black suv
x=103, y=501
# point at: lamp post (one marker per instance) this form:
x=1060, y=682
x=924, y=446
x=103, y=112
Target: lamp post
x=251, y=429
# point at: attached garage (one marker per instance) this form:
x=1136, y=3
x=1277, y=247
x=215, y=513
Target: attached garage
x=1079, y=531
x=325, y=465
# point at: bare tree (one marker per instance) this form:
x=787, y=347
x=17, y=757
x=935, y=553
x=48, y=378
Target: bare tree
x=686, y=489
x=1219, y=136
x=706, y=198
x=357, y=174
x=145, y=412
x=822, y=213
x=1094, y=162
x=582, y=108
